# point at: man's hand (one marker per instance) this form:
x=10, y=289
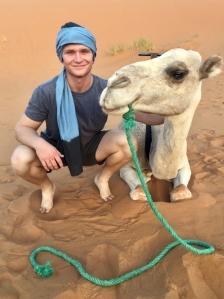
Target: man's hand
x=49, y=156
x=26, y=133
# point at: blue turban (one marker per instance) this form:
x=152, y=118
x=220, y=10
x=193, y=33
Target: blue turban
x=75, y=35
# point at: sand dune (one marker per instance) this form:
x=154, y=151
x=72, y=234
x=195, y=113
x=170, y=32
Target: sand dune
x=110, y=238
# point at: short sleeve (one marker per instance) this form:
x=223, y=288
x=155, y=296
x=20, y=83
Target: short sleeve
x=38, y=106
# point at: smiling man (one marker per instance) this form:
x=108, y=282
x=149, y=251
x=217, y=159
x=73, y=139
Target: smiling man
x=74, y=135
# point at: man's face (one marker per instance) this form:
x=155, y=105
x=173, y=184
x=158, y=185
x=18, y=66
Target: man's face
x=77, y=59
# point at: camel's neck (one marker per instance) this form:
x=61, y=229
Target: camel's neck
x=171, y=144
x=175, y=131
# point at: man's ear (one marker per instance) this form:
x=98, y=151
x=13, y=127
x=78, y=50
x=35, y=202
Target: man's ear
x=211, y=67
x=94, y=56
x=62, y=50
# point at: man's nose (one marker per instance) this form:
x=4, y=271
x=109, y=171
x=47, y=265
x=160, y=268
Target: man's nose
x=78, y=57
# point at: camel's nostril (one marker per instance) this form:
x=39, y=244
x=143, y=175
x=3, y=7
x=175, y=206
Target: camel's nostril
x=121, y=82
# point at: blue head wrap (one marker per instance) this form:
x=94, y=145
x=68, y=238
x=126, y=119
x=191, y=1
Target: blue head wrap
x=75, y=35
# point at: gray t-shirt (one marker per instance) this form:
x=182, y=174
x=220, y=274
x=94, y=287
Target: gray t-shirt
x=91, y=118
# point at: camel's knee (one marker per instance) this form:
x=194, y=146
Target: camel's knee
x=22, y=158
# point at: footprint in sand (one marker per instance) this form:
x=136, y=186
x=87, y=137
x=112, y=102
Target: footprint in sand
x=219, y=181
x=173, y=292
x=7, y=289
x=15, y=192
x=202, y=282
x=6, y=175
x=220, y=171
x=69, y=294
x=23, y=231
x=204, y=199
x=90, y=291
x=209, y=152
x=103, y=262
x=218, y=142
x=25, y=234
x=202, y=175
x=216, y=160
x=18, y=264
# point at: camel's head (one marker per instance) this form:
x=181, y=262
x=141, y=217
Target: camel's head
x=167, y=85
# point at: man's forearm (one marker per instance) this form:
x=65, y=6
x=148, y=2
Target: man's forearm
x=27, y=136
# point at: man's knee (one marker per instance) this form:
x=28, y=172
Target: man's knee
x=113, y=142
x=126, y=147
x=134, y=141
x=21, y=157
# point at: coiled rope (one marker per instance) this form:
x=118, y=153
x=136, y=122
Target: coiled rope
x=47, y=270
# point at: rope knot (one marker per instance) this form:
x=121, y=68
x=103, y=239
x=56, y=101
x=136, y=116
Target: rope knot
x=129, y=118
x=44, y=270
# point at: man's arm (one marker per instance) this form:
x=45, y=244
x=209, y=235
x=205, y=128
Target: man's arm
x=26, y=133
x=149, y=118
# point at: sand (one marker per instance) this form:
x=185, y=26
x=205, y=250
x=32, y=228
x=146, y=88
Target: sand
x=110, y=238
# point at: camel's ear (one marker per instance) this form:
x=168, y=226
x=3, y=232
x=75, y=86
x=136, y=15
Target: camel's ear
x=211, y=67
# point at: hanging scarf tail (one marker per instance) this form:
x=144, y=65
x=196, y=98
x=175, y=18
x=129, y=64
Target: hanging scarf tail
x=68, y=125
x=73, y=159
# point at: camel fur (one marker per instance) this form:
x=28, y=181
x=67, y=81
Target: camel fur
x=169, y=85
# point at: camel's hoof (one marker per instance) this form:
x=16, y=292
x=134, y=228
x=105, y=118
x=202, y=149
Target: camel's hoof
x=179, y=193
x=138, y=194
x=147, y=175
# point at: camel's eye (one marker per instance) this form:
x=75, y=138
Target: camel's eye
x=178, y=75
x=177, y=72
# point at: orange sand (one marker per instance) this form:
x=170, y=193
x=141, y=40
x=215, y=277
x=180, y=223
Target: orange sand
x=110, y=239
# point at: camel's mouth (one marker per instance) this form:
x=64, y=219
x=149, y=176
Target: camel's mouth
x=116, y=111
x=120, y=110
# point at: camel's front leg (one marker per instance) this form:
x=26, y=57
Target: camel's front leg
x=180, y=183
x=130, y=176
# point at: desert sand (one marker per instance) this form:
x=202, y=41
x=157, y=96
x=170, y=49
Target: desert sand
x=110, y=238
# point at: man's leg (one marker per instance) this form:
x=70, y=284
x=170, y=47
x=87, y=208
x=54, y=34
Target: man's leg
x=26, y=164
x=115, y=149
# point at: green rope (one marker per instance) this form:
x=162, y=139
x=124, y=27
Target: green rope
x=46, y=270
x=128, y=124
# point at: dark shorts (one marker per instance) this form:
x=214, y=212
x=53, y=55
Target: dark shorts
x=89, y=151
x=89, y=157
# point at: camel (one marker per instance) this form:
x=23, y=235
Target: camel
x=169, y=85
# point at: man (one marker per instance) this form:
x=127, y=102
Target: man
x=69, y=103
